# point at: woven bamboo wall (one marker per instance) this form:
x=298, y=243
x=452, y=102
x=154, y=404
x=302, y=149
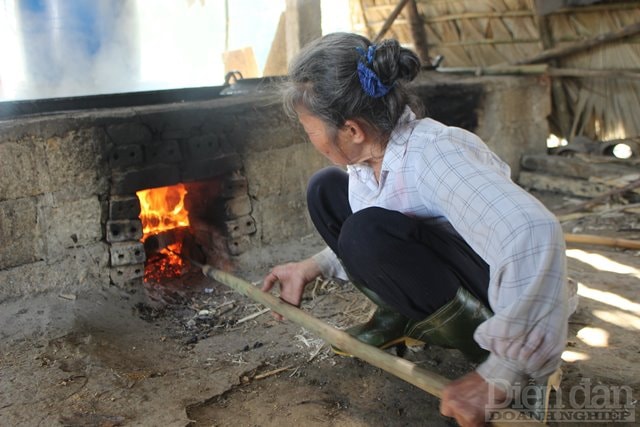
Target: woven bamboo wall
x=482, y=33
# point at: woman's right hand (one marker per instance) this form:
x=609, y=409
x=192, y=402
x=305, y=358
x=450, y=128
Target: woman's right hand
x=292, y=278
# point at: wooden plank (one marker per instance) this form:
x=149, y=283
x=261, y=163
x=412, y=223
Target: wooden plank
x=562, y=185
x=601, y=197
x=242, y=60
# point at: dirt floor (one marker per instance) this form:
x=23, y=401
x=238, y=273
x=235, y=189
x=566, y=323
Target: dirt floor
x=195, y=353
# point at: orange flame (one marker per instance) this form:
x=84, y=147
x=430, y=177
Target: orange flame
x=162, y=209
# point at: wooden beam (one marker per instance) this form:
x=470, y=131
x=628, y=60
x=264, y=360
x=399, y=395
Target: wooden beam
x=367, y=25
x=573, y=167
x=418, y=33
x=389, y=22
x=562, y=117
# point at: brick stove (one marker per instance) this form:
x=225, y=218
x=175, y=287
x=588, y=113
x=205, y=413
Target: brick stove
x=69, y=214
x=217, y=197
x=70, y=170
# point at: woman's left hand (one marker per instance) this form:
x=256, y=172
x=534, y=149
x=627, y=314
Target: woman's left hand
x=466, y=399
x=292, y=278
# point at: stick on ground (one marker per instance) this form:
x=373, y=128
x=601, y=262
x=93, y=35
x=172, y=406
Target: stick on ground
x=430, y=382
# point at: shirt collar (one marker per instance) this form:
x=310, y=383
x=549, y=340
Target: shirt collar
x=393, y=153
x=397, y=145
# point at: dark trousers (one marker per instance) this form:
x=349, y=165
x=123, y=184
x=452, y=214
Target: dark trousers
x=414, y=267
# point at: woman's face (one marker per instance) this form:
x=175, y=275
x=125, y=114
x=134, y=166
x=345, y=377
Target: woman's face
x=337, y=146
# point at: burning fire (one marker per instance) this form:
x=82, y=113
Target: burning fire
x=162, y=210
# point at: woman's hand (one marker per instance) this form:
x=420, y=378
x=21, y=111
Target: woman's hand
x=292, y=277
x=466, y=399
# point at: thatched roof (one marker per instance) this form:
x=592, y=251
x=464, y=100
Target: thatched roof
x=591, y=95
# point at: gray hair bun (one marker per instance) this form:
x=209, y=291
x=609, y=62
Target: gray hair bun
x=394, y=62
x=324, y=79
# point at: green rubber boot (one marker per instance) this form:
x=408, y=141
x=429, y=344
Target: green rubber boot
x=453, y=325
x=385, y=328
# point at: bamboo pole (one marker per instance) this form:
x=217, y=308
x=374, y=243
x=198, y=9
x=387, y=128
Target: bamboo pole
x=484, y=42
x=481, y=15
x=560, y=52
x=585, y=73
x=430, y=382
x=496, y=70
x=590, y=239
x=542, y=69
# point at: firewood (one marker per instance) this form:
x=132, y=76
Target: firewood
x=589, y=239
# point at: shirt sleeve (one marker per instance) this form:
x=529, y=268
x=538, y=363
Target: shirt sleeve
x=521, y=241
x=330, y=265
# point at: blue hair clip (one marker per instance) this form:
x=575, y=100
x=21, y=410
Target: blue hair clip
x=369, y=80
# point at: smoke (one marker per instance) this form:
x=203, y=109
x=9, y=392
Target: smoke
x=68, y=48
x=62, y=48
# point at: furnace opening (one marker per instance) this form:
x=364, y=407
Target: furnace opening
x=207, y=221
x=165, y=223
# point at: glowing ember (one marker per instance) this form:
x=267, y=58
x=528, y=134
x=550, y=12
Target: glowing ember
x=165, y=264
x=162, y=209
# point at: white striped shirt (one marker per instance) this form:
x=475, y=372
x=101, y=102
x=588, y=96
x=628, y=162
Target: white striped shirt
x=447, y=174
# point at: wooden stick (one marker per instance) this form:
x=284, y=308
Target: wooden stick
x=559, y=52
x=428, y=381
x=253, y=316
x=389, y=22
x=271, y=373
x=601, y=240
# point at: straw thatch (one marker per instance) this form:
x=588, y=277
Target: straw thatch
x=479, y=33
